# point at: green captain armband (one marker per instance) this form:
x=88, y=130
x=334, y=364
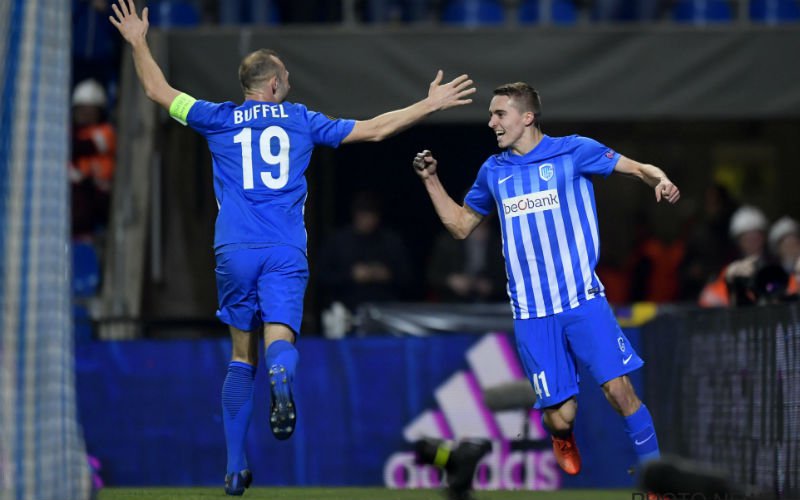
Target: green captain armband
x=179, y=109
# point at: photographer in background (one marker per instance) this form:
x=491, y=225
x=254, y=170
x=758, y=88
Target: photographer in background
x=758, y=278
x=784, y=242
x=748, y=228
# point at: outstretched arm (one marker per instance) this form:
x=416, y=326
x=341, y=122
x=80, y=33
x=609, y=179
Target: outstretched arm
x=440, y=97
x=459, y=220
x=134, y=31
x=650, y=175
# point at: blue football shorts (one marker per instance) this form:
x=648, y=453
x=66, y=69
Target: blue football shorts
x=261, y=285
x=550, y=346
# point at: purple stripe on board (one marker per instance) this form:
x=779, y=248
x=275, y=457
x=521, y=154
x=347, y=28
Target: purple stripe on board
x=400, y=477
x=509, y=356
x=441, y=424
x=535, y=418
x=477, y=396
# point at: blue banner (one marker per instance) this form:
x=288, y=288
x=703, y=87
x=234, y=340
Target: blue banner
x=152, y=414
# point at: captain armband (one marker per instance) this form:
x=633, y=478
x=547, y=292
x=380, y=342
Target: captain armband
x=179, y=109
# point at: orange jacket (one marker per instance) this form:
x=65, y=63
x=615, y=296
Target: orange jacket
x=717, y=294
x=99, y=165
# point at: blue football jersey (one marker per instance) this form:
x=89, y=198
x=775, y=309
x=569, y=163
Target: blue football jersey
x=548, y=218
x=260, y=152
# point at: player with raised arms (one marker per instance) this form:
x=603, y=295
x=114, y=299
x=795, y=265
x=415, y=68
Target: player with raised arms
x=541, y=188
x=260, y=151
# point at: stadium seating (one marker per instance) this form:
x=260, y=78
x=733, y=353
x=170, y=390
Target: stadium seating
x=563, y=12
x=85, y=270
x=702, y=11
x=774, y=11
x=472, y=13
x=173, y=13
x=232, y=12
x=85, y=284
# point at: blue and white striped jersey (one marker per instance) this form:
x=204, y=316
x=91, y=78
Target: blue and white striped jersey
x=548, y=218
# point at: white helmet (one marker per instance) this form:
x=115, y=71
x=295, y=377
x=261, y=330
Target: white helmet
x=747, y=218
x=781, y=228
x=89, y=93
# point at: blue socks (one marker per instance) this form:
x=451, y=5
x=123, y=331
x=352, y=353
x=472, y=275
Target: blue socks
x=642, y=434
x=282, y=352
x=237, y=406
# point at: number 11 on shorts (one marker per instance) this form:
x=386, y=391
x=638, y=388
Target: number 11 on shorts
x=540, y=384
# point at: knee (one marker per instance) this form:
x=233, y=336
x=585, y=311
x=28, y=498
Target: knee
x=560, y=418
x=277, y=331
x=555, y=423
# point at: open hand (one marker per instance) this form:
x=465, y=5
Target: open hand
x=127, y=21
x=425, y=164
x=668, y=191
x=450, y=94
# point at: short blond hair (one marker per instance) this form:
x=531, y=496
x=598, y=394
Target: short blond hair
x=258, y=67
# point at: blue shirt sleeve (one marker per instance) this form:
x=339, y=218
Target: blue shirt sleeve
x=590, y=157
x=326, y=131
x=206, y=117
x=479, y=197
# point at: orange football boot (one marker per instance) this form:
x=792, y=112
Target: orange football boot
x=567, y=454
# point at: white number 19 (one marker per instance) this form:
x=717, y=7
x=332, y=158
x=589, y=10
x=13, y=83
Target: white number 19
x=265, y=147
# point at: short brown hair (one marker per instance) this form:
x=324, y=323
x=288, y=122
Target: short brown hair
x=256, y=68
x=526, y=98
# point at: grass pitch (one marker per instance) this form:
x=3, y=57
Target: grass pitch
x=352, y=494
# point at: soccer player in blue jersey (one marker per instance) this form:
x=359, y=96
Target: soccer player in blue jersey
x=541, y=188
x=260, y=151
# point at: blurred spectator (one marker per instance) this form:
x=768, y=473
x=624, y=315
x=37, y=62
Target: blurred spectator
x=364, y=262
x=784, y=242
x=709, y=247
x=797, y=271
x=656, y=276
x=748, y=228
x=94, y=143
x=96, y=48
x=470, y=270
x=614, y=271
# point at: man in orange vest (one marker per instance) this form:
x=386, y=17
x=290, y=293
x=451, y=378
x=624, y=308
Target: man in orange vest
x=94, y=146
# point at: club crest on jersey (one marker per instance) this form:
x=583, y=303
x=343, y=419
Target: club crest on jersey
x=546, y=171
x=621, y=342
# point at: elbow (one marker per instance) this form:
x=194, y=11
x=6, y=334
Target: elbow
x=458, y=233
x=151, y=93
x=379, y=135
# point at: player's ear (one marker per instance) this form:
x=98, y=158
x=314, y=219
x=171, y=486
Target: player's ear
x=529, y=118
